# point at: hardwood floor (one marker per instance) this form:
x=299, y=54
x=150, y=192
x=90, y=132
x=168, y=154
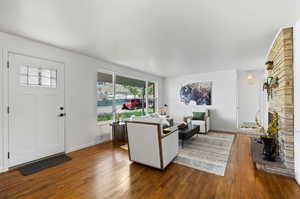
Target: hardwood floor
x=104, y=171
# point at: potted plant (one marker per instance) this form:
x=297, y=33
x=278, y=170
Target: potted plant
x=269, y=150
x=269, y=65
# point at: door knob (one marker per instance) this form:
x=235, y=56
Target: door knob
x=61, y=108
x=61, y=115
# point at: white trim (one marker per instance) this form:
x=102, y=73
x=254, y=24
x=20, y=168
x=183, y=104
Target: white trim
x=83, y=146
x=224, y=130
x=114, y=109
x=133, y=77
x=110, y=72
x=5, y=115
x=104, y=123
x=156, y=98
x=2, y=64
x=237, y=99
x=296, y=130
x=146, y=96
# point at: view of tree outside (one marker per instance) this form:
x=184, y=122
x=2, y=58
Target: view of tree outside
x=104, y=97
x=151, y=97
x=130, y=97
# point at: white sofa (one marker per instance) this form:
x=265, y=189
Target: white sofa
x=204, y=124
x=148, y=145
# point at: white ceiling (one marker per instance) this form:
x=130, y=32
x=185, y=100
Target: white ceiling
x=163, y=37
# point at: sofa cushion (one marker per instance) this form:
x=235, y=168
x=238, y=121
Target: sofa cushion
x=198, y=115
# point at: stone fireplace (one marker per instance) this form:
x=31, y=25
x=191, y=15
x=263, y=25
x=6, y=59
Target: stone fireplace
x=282, y=102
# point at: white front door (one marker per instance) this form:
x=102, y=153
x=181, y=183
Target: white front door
x=36, y=108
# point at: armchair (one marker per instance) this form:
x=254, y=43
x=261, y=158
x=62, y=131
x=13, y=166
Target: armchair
x=148, y=145
x=204, y=124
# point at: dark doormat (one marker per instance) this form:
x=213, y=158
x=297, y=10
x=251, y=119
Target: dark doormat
x=43, y=164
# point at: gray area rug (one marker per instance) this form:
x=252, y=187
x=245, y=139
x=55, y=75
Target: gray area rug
x=209, y=153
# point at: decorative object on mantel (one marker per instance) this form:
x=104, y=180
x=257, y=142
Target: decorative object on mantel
x=269, y=65
x=268, y=86
x=275, y=83
x=199, y=92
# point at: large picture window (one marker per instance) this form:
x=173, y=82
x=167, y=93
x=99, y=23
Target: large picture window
x=120, y=97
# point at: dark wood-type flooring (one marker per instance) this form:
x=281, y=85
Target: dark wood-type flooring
x=104, y=171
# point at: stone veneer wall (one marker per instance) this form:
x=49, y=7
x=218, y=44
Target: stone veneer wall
x=282, y=102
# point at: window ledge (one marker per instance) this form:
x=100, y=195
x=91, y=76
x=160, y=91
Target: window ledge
x=104, y=123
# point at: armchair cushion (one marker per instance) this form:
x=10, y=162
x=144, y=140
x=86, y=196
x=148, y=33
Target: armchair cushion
x=198, y=115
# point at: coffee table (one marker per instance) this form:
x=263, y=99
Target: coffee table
x=188, y=132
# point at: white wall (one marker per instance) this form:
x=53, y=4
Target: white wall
x=223, y=108
x=80, y=78
x=250, y=95
x=1, y=116
x=297, y=99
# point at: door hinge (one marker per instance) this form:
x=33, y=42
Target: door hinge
x=8, y=155
x=8, y=110
x=7, y=64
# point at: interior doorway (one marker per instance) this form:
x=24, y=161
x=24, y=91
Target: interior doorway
x=251, y=98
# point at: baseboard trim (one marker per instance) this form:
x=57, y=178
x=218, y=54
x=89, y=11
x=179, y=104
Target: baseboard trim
x=298, y=181
x=82, y=146
x=3, y=170
x=222, y=131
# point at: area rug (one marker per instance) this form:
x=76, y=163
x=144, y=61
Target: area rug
x=209, y=153
x=44, y=164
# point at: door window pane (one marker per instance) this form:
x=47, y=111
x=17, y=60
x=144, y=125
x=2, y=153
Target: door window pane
x=104, y=97
x=38, y=77
x=46, y=73
x=24, y=70
x=23, y=80
x=53, y=83
x=33, y=71
x=45, y=82
x=33, y=80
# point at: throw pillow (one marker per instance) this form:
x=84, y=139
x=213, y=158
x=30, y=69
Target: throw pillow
x=198, y=115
